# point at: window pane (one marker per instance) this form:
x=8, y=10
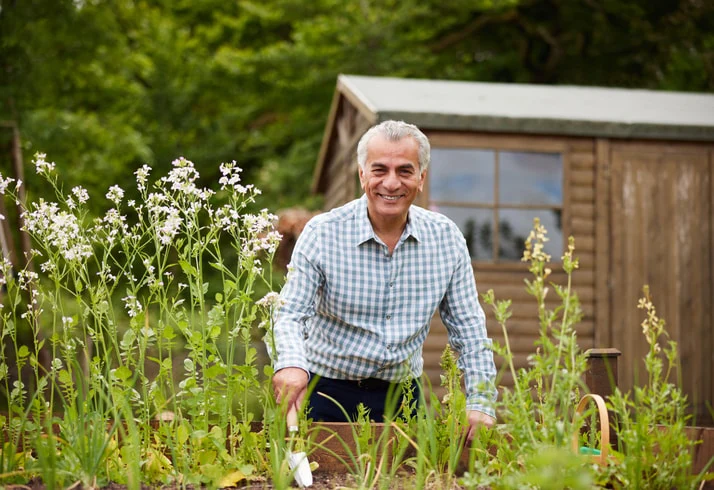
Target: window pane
x=516, y=224
x=477, y=227
x=464, y=175
x=530, y=178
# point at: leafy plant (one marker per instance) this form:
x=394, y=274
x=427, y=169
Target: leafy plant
x=122, y=363
x=653, y=448
x=119, y=303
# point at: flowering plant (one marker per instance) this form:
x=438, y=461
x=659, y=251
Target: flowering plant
x=132, y=329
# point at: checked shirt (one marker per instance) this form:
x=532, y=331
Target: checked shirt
x=350, y=310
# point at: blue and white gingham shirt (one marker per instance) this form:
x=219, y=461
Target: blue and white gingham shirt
x=350, y=310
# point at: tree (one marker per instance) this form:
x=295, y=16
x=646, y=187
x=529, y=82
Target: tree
x=104, y=86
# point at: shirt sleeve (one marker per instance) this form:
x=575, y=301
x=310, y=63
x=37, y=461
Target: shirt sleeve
x=465, y=322
x=297, y=302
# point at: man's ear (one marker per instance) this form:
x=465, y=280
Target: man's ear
x=360, y=173
x=422, y=179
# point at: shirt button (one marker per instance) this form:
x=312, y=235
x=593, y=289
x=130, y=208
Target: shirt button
x=389, y=346
x=389, y=317
x=391, y=284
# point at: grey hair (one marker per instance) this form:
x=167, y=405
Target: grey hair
x=395, y=131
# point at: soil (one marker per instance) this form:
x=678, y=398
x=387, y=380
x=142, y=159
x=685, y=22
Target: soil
x=321, y=481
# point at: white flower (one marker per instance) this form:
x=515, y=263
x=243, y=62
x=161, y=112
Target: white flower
x=4, y=183
x=182, y=178
x=231, y=176
x=170, y=227
x=132, y=305
x=58, y=229
x=142, y=175
x=115, y=194
x=81, y=194
x=270, y=299
x=42, y=166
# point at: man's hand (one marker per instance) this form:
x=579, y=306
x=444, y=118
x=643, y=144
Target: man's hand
x=290, y=386
x=477, y=420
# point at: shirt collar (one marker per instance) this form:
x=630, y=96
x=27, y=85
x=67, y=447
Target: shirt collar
x=365, y=232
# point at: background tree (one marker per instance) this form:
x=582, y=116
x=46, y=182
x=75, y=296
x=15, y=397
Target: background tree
x=103, y=86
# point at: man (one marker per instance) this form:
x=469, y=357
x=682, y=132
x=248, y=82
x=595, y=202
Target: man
x=363, y=283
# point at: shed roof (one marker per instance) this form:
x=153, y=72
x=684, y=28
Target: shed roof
x=522, y=108
x=539, y=109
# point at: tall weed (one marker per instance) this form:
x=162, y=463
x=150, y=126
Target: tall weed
x=135, y=337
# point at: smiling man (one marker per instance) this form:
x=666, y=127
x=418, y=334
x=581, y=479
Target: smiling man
x=363, y=283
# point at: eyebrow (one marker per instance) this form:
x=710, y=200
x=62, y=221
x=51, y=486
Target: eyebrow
x=403, y=166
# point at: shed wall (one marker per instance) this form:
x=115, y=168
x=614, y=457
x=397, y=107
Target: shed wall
x=661, y=236
x=617, y=194
x=507, y=279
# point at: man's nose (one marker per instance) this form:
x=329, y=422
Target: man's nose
x=391, y=181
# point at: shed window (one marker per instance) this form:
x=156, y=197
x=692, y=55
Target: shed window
x=478, y=188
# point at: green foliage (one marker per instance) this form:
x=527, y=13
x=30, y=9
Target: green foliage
x=650, y=420
x=111, y=85
x=531, y=448
x=143, y=385
x=129, y=336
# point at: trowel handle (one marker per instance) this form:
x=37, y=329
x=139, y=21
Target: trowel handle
x=292, y=419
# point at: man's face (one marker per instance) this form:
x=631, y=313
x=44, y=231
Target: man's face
x=391, y=179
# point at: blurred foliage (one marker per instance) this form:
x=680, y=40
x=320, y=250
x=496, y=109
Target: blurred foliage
x=104, y=86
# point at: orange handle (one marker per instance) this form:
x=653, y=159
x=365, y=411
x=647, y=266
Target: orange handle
x=604, y=427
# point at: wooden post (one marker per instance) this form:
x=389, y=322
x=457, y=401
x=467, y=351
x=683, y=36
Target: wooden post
x=601, y=373
x=601, y=379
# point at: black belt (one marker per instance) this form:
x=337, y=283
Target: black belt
x=366, y=384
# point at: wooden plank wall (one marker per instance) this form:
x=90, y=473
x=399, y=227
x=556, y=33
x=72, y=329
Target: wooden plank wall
x=340, y=173
x=579, y=161
x=661, y=236
x=595, y=192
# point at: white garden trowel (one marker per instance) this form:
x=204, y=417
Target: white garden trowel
x=297, y=460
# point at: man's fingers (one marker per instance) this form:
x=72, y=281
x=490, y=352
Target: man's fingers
x=300, y=399
x=289, y=385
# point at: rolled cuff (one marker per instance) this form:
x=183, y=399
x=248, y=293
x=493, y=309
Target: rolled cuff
x=286, y=360
x=482, y=404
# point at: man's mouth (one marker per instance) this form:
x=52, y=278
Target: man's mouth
x=389, y=198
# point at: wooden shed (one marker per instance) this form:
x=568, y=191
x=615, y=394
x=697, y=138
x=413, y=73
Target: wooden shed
x=628, y=173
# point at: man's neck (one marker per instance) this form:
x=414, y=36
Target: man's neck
x=389, y=231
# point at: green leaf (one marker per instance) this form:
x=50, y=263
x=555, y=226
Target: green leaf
x=182, y=434
x=188, y=269
x=231, y=479
x=206, y=457
x=213, y=371
x=219, y=267
x=214, y=332
x=216, y=316
x=168, y=333
x=188, y=365
x=23, y=352
x=64, y=377
x=122, y=373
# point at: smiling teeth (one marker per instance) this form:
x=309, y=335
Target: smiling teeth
x=391, y=198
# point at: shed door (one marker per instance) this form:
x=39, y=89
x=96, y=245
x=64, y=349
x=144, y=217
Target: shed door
x=661, y=235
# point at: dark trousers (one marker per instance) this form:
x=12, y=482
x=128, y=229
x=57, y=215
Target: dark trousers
x=378, y=396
